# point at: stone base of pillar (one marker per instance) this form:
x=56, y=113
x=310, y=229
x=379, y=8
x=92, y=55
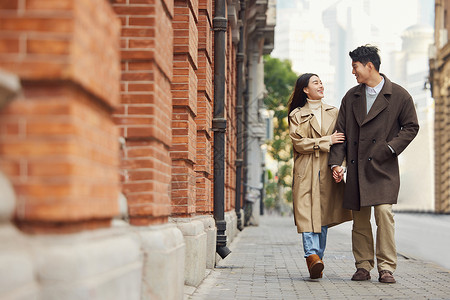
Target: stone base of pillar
x=17, y=279
x=101, y=264
x=164, y=261
x=122, y=262
x=211, y=237
x=195, y=239
x=242, y=219
x=231, y=231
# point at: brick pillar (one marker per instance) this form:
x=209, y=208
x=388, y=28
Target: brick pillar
x=203, y=168
x=58, y=144
x=184, y=90
x=231, y=137
x=145, y=113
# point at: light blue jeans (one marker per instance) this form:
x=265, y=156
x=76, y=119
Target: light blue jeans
x=314, y=243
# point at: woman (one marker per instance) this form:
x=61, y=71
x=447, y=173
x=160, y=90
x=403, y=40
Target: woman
x=316, y=197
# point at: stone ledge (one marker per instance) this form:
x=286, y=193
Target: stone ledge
x=9, y=87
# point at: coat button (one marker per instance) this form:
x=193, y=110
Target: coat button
x=352, y=161
x=370, y=158
x=374, y=141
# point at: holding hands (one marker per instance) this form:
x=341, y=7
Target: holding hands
x=338, y=173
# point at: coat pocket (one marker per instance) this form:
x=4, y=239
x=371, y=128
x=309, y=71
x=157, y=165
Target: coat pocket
x=382, y=153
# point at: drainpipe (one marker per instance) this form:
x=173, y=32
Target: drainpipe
x=239, y=116
x=247, y=207
x=245, y=152
x=219, y=124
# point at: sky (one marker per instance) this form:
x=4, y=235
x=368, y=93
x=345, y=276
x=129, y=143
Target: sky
x=387, y=11
x=401, y=14
x=390, y=18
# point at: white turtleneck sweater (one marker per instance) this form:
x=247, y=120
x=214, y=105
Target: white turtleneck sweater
x=316, y=107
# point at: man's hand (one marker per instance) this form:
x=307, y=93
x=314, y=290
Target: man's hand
x=338, y=174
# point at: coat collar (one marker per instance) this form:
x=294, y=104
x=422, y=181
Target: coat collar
x=306, y=111
x=327, y=118
x=307, y=114
x=380, y=104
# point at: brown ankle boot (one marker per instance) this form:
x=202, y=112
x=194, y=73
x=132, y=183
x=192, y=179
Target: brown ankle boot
x=315, y=266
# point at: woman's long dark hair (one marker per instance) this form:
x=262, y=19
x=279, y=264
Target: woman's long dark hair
x=298, y=96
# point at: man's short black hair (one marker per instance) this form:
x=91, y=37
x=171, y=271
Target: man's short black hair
x=366, y=53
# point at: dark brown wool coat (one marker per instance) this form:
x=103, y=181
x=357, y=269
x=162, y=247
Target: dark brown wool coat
x=372, y=170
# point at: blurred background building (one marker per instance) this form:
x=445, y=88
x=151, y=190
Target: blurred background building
x=410, y=70
x=317, y=37
x=302, y=38
x=440, y=86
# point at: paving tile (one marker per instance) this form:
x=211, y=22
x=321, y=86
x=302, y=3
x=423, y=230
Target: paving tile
x=267, y=263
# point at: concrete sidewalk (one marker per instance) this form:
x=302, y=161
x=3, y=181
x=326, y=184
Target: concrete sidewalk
x=267, y=263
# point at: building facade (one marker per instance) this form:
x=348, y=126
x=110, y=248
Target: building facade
x=122, y=142
x=411, y=69
x=302, y=38
x=440, y=87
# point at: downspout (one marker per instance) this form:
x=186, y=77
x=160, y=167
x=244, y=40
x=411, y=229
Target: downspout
x=239, y=116
x=247, y=207
x=219, y=124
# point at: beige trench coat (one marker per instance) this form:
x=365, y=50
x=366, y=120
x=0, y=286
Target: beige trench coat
x=316, y=197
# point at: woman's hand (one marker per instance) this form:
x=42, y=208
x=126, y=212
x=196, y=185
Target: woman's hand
x=337, y=138
x=338, y=173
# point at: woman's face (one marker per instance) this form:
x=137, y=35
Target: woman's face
x=314, y=90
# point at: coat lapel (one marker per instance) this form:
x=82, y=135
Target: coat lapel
x=359, y=105
x=306, y=114
x=378, y=106
x=315, y=125
x=327, y=118
x=381, y=102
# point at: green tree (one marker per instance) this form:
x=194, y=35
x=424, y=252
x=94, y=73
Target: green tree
x=279, y=80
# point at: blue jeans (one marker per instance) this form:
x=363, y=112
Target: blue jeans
x=314, y=243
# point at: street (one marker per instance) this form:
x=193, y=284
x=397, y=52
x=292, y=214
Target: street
x=267, y=263
x=424, y=236
x=418, y=236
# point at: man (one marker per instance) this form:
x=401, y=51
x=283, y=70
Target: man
x=379, y=120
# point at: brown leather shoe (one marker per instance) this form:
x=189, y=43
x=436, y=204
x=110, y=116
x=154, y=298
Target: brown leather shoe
x=361, y=274
x=386, y=277
x=315, y=266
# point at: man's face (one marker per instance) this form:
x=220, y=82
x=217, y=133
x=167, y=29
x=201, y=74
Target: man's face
x=360, y=71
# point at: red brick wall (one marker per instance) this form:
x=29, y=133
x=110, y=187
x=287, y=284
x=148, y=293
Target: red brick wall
x=230, y=138
x=58, y=144
x=145, y=113
x=206, y=51
x=204, y=165
x=184, y=91
x=94, y=70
